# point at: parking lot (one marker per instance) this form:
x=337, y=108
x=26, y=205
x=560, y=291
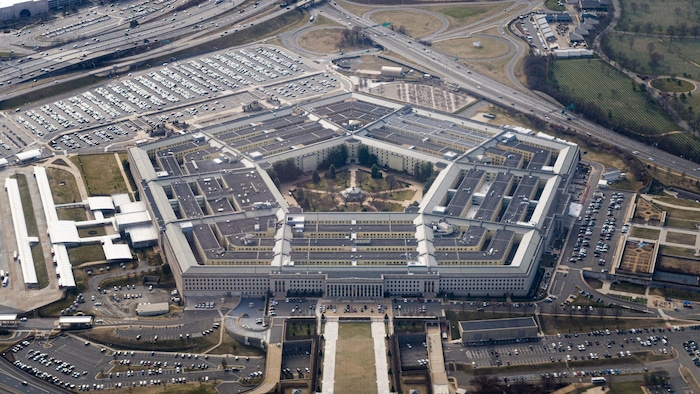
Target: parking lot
x=572, y=347
x=208, y=84
x=78, y=365
x=296, y=360
x=413, y=350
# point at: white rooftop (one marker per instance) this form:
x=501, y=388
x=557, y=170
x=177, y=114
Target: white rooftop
x=63, y=231
x=116, y=251
x=101, y=203
x=122, y=220
x=135, y=206
x=120, y=199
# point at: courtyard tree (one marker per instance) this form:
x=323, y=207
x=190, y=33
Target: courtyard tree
x=315, y=178
x=375, y=172
x=391, y=181
x=330, y=174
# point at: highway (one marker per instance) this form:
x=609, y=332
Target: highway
x=188, y=28
x=451, y=72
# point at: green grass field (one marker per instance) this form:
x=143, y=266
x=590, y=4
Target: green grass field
x=76, y=214
x=656, y=16
x=64, y=188
x=354, y=364
x=85, y=253
x=101, y=174
x=672, y=85
x=647, y=233
x=679, y=56
x=612, y=93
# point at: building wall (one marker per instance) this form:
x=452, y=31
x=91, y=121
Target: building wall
x=35, y=8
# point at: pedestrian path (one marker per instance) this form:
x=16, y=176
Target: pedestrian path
x=378, y=334
x=330, y=336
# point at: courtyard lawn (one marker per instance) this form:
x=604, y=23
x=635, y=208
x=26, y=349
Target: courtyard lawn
x=355, y=371
x=63, y=186
x=101, y=174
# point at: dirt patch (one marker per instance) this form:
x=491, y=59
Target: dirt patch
x=647, y=212
x=636, y=257
x=678, y=265
x=322, y=40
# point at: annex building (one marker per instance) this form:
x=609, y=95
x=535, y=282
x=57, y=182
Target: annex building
x=480, y=229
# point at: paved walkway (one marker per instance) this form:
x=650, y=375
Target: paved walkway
x=330, y=337
x=378, y=334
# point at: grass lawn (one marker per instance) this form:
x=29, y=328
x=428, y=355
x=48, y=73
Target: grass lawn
x=101, y=174
x=675, y=251
x=613, y=93
x=680, y=265
x=633, y=387
x=355, y=359
x=628, y=287
x=300, y=329
x=672, y=85
x=355, y=8
x=64, y=187
x=677, y=201
x=96, y=231
x=678, y=294
x=594, y=283
x=660, y=13
x=680, y=238
x=553, y=5
x=325, y=41
x=464, y=48
x=85, y=254
x=681, y=218
x=75, y=214
x=402, y=195
x=42, y=275
x=646, y=233
x=678, y=56
x=463, y=15
x=416, y=24
x=27, y=206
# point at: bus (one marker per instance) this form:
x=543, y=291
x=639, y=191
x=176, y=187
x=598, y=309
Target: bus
x=598, y=380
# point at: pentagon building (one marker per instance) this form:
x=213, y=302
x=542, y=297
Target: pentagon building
x=225, y=228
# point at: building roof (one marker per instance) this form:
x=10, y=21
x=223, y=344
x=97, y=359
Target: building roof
x=101, y=203
x=124, y=220
x=498, y=324
x=28, y=155
x=63, y=231
x=120, y=199
x=116, y=251
x=158, y=307
x=75, y=319
x=136, y=206
x=142, y=233
x=20, y=226
x=8, y=316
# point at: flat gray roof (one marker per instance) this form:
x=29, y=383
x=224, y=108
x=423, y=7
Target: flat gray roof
x=498, y=324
